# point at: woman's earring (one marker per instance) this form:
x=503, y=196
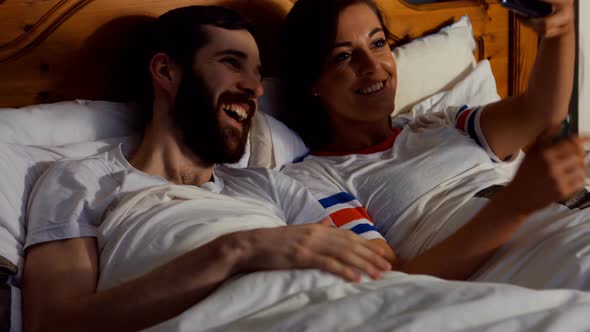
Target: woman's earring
x=315, y=94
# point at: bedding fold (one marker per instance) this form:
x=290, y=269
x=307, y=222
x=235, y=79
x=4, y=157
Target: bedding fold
x=153, y=226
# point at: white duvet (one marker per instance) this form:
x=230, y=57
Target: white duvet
x=550, y=250
x=149, y=228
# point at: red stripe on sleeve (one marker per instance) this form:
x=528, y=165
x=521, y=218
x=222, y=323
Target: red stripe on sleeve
x=344, y=216
x=463, y=119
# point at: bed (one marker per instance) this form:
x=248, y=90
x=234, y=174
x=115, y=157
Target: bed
x=63, y=50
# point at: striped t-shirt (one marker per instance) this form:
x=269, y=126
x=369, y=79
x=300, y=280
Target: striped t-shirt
x=348, y=213
x=368, y=190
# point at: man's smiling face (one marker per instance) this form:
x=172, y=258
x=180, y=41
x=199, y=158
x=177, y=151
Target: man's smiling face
x=216, y=101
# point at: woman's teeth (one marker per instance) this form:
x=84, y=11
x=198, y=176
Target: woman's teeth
x=372, y=89
x=238, y=112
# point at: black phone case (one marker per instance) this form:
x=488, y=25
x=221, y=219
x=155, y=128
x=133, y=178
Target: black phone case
x=528, y=8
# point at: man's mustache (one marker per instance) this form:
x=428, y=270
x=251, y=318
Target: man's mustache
x=239, y=98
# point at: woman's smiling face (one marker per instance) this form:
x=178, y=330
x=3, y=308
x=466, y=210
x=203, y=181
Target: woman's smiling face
x=358, y=81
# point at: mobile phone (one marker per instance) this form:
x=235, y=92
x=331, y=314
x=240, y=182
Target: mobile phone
x=528, y=8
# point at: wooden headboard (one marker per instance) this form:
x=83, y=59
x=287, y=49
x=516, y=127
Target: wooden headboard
x=54, y=50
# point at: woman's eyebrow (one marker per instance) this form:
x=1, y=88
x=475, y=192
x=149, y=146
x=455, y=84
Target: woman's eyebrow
x=373, y=32
x=341, y=44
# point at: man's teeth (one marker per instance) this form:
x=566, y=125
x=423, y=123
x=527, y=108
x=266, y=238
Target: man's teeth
x=238, y=110
x=371, y=89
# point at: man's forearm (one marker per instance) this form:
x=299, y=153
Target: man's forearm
x=148, y=300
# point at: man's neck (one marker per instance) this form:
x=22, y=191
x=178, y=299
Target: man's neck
x=161, y=154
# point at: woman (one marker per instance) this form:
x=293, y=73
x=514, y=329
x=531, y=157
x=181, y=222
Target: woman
x=440, y=195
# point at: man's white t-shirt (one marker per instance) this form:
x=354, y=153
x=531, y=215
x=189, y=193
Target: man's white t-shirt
x=431, y=166
x=71, y=198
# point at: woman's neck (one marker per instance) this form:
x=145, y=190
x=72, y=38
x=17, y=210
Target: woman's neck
x=353, y=135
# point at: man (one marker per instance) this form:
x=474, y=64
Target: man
x=205, y=78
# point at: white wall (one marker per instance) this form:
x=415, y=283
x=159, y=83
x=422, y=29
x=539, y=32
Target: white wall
x=584, y=67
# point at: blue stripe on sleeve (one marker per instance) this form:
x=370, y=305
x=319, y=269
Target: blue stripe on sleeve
x=338, y=198
x=461, y=110
x=362, y=228
x=471, y=127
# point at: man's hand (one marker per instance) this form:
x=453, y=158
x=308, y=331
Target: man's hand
x=314, y=246
x=559, y=22
x=549, y=173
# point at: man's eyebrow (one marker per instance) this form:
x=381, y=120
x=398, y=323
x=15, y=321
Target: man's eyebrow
x=373, y=32
x=241, y=55
x=233, y=52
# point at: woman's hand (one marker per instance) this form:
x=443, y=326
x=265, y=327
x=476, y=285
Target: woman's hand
x=314, y=246
x=549, y=173
x=559, y=22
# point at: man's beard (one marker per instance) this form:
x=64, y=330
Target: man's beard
x=197, y=119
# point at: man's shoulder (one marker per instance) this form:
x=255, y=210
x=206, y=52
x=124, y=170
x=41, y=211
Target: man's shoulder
x=73, y=191
x=89, y=166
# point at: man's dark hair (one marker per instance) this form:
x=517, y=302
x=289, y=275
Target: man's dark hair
x=179, y=33
x=308, y=36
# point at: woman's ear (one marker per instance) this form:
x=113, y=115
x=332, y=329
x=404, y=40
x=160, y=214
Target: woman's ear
x=165, y=74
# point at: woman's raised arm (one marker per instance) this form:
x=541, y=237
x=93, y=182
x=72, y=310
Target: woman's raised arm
x=511, y=124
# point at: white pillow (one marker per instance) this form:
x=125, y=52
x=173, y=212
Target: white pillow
x=66, y=123
x=433, y=63
x=287, y=144
x=87, y=121
x=477, y=89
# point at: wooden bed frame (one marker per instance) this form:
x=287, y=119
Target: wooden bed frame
x=55, y=50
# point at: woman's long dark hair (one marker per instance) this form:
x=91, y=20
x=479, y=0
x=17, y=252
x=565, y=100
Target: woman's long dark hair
x=307, y=39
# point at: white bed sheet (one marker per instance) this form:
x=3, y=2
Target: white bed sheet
x=140, y=234
x=401, y=302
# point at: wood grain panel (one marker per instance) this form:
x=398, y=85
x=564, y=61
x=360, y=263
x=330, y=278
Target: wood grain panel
x=523, y=47
x=30, y=12
x=79, y=54
x=74, y=48
x=501, y=38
